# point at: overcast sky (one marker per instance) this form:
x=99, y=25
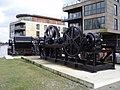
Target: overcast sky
x=10, y=8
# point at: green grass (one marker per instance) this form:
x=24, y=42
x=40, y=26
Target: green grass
x=20, y=75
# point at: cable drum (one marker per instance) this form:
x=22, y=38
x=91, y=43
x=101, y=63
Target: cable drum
x=93, y=41
x=72, y=38
x=51, y=34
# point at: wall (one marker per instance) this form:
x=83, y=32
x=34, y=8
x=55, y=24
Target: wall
x=31, y=28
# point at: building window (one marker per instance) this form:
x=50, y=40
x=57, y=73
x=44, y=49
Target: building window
x=118, y=43
x=38, y=19
x=115, y=10
x=95, y=8
x=98, y=7
x=37, y=33
x=102, y=7
x=45, y=27
x=53, y=22
x=116, y=0
x=115, y=24
x=56, y=22
x=94, y=23
x=12, y=27
x=38, y=26
x=47, y=21
x=63, y=23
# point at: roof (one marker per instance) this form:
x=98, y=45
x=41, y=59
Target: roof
x=39, y=16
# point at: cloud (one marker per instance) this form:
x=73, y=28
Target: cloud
x=5, y=3
x=2, y=17
x=52, y=8
x=10, y=8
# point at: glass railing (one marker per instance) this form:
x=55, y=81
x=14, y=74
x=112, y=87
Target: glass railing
x=26, y=18
x=74, y=2
x=19, y=27
x=19, y=34
x=71, y=16
x=74, y=15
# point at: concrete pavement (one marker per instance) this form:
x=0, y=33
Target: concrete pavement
x=101, y=80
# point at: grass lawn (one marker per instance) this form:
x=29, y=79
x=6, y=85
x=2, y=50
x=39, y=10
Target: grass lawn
x=20, y=75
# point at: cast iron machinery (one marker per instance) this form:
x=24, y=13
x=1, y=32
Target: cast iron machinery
x=21, y=45
x=84, y=51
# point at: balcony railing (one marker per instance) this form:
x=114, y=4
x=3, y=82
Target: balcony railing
x=72, y=16
x=19, y=33
x=70, y=19
x=74, y=2
x=21, y=27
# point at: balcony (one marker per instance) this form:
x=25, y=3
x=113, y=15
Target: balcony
x=72, y=17
x=20, y=27
x=19, y=33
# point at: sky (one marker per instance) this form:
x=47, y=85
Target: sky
x=10, y=8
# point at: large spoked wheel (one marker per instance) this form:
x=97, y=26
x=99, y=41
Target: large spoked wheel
x=72, y=39
x=52, y=32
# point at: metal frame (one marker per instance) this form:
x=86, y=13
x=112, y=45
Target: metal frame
x=54, y=52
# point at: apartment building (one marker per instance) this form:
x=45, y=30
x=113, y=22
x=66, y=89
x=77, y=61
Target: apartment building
x=101, y=16
x=33, y=25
